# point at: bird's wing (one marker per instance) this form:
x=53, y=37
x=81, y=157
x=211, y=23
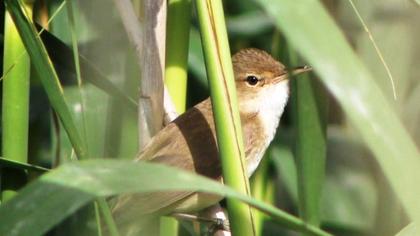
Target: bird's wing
x=132, y=206
x=188, y=143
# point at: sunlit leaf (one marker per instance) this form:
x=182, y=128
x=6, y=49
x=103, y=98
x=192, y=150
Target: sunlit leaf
x=61, y=192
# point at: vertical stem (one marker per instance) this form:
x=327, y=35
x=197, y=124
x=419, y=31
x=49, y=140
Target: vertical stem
x=49, y=78
x=259, y=191
x=225, y=110
x=178, y=29
x=15, y=118
x=152, y=58
x=107, y=216
x=75, y=48
x=98, y=219
x=100, y=202
x=310, y=118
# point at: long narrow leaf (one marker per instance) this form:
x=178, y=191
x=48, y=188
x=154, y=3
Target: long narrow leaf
x=61, y=55
x=309, y=105
x=22, y=166
x=48, y=76
x=177, y=41
x=56, y=195
x=225, y=111
x=15, y=108
x=324, y=46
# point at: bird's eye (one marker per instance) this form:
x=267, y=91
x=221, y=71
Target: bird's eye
x=252, y=80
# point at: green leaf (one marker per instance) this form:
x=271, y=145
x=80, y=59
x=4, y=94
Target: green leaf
x=51, y=198
x=409, y=230
x=284, y=163
x=324, y=46
x=249, y=24
x=48, y=76
x=61, y=56
x=15, y=106
x=177, y=41
x=225, y=111
x=20, y=165
x=93, y=115
x=196, y=59
x=310, y=105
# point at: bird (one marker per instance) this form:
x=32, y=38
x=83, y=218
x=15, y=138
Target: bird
x=189, y=142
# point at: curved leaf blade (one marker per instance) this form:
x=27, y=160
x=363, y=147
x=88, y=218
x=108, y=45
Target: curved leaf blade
x=322, y=43
x=54, y=196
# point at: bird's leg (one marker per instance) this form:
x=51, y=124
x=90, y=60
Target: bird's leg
x=221, y=227
x=215, y=223
x=215, y=216
x=218, y=223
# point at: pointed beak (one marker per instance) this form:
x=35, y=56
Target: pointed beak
x=292, y=73
x=300, y=70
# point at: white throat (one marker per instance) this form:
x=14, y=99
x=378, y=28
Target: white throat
x=270, y=106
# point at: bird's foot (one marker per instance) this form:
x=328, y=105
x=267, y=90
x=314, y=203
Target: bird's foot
x=219, y=225
x=215, y=224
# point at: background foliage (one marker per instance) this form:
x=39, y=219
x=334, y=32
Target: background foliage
x=356, y=197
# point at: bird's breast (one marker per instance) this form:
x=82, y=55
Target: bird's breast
x=260, y=131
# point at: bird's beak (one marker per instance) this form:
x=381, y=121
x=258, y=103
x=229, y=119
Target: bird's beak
x=292, y=73
x=300, y=70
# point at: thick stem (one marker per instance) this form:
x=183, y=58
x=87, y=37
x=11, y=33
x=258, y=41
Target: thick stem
x=178, y=29
x=15, y=115
x=225, y=110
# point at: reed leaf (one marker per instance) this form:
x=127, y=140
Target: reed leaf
x=309, y=104
x=51, y=198
x=15, y=108
x=178, y=31
x=48, y=76
x=61, y=55
x=21, y=165
x=177, y=42
x=324, y=46
x=225, y=111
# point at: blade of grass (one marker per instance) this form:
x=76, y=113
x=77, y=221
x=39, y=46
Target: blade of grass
x=178, y=30
x=259, y=187
x=15, y=109
x=177, y=41
x=72, y=26
x=309, y=104
x=225, y=110
x=378, y=51
x=48, y=77
x=23, y=51
x=409, y=230
x=61, y=55
x=52, y=197
x=107, y=214
x=249, y=24
x=101, y=203
x=98, y=219
x=196, y=58
x=21, y=165
x=351, y=84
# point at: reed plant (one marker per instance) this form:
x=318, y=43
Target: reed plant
x=345, y=157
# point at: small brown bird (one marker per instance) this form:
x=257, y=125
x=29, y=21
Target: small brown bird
x=189, y=142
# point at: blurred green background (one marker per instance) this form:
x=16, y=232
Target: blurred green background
x=356, y=198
